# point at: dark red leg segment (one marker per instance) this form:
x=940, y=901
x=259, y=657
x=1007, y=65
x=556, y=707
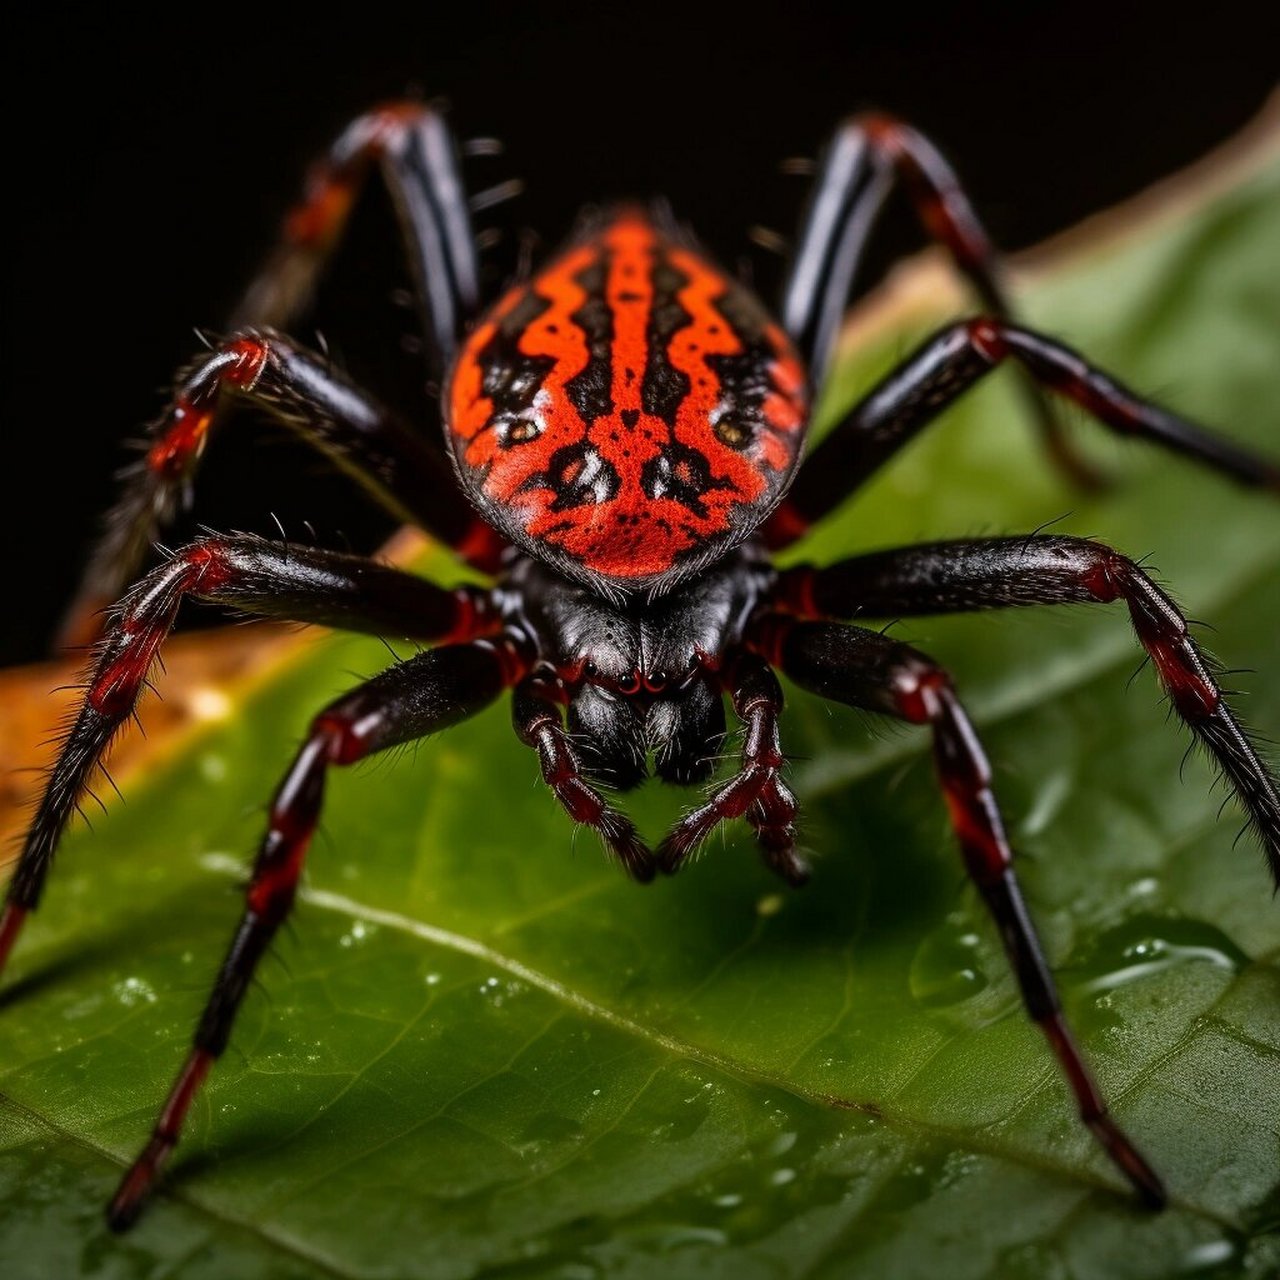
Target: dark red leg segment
x=539, y=723
x=865, y=669
x=414, y=149
x=246, y=573
x=422, y=696
x=756, y=791
x=947, y=365
x=301, y=391
x=995, y=573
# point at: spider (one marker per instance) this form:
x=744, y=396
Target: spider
x=621, y=450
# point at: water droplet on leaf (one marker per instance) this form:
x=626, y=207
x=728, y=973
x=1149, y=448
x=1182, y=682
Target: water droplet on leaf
x=945, y=968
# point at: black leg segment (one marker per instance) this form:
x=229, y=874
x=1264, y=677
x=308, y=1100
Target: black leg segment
x=947, y=365
x=865, y=669
x=304, y=393
x=995, y=573
x=857, y=172
x=866, y=156
x=413, y=147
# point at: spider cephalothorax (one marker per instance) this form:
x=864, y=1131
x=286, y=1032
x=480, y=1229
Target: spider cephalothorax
x=642, y=675
x=626, y=427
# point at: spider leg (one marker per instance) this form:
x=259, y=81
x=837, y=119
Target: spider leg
x=994, y=573
x=536, y=714
x=865, y=669
x=248, y=573
x=867, y=155
x=303, y=392
x=947, y=365
x=417, y=155
x=418, y=697
x=756, y=791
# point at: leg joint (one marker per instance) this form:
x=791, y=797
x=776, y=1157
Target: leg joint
x=920, y=691
x=314, y=223
x=987, y=336
x=344, y=738
x=882, y=130
x=1109, y=574
x=237, y=362
x=146, y=614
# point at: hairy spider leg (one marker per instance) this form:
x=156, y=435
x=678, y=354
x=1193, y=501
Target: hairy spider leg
x=865, y=669
x=413, y=148
x=539, y=723
x=300, y=584
x=756, y=791
x=948, y=364
x=861, y=163
x=303, y=392
x=428, y=693
x=994, y=573
x=415, y=151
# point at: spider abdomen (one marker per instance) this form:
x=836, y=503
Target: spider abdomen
x=629, y=414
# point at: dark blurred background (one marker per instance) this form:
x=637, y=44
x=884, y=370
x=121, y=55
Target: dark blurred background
x=150, y=158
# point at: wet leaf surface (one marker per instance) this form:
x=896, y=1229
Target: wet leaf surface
x=481, y=1052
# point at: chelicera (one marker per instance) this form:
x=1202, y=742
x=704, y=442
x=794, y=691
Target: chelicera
x=621, y=451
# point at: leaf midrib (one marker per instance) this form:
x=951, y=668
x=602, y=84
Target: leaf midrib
x=581, y=1004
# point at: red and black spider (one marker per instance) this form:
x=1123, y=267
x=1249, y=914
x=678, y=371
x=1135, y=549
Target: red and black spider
x=623, y=435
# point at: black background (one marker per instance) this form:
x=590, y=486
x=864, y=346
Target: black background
x=150, y=158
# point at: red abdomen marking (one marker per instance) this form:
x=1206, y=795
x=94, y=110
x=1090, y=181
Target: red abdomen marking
x=631, y=413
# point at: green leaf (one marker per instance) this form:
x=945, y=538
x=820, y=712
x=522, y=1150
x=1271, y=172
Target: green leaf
x=486, y=1053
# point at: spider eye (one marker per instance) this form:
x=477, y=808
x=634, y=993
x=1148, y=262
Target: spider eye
x=519, y=431
x=734, y=433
